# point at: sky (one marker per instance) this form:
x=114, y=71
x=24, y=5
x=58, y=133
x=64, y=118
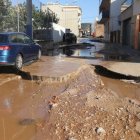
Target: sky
x=89, y=7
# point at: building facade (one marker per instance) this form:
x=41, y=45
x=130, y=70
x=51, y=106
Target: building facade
x=130, y=19
x=69, y=16
x=121, y=19
x=110, y=17
x=104, y=18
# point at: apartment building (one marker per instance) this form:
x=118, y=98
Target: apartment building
x=104, y=17
x=121, y=19
x=110, y=17
x=69, y=16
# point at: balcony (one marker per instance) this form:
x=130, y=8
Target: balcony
x=104, y=4
x=126, y=4
x=104, y=16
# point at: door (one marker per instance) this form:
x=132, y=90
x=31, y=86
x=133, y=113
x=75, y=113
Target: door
x=17, y=41
x=126, y=32
x=33, y=49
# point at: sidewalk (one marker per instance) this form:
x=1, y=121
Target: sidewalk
x=124, y=53
x=122, y=59
x=125, y=68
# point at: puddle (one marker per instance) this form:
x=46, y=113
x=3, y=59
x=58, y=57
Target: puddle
x=24, y=105
x=79, y=51
x=114, y=75
x=121, y=88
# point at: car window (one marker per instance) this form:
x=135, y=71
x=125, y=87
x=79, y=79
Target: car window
x=27, y=40
x=13, y=38
x=17, y=38
x=3, y=38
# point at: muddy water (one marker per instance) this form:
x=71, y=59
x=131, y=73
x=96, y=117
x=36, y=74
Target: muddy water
x=23, y=108
x=24, y=105
x=123, y=89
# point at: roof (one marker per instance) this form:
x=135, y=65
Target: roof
x=11, y=33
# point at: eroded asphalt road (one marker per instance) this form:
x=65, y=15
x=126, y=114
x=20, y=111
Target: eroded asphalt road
x=34, y=103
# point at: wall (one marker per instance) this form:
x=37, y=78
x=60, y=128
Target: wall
x=98, y=29
x=128, y=13
x=106, y=31
x=115, y=11
x=136, y=14
x=71, y=20
x=136, y=9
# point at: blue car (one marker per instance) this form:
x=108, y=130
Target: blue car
x=17, y=48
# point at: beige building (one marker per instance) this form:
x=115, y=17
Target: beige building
x=98, y=29
x=69, y=16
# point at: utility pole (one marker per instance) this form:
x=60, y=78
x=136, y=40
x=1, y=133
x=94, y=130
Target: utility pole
x=29, y=18
x=18, y=17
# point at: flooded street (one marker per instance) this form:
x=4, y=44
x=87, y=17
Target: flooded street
x=123, y=89
x=56, y=97
x=23, y=107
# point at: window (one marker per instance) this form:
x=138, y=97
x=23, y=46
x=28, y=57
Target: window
x=3, y=38
x=27, y=40
x=17, y=38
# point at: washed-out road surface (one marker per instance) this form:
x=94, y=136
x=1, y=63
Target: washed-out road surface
x=60, y=98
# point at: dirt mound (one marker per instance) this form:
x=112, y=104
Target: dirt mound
x=86, y=110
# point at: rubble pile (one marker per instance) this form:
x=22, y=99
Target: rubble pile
x=86, y=110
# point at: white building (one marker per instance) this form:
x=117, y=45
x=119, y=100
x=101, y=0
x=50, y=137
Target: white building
x=110, y=12
x=69, y=16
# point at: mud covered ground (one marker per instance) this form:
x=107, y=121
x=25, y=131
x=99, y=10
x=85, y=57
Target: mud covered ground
x=87, y=110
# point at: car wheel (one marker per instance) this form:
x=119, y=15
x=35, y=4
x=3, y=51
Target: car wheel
x=19, y=62
x=39, y=54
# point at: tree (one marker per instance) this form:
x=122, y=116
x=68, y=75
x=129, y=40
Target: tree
x=4, y=13
x=43, y=19
x=9, y=17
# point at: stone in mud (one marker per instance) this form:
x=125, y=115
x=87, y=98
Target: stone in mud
x=53, y=102
x=100, y=131
x=138, y=116
x=72, y=138
x=138, y=127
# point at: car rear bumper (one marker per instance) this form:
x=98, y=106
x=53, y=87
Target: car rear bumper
x=6, y=61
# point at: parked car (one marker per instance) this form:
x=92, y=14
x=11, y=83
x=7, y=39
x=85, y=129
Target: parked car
x=69, y=38
x=17, y=48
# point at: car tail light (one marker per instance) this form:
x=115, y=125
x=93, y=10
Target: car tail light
x=4, y=47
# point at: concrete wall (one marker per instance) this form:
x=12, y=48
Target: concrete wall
x=136, y=9
x=128, y=13
x=115, y=11
x=71, y=20
x=107, y=31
